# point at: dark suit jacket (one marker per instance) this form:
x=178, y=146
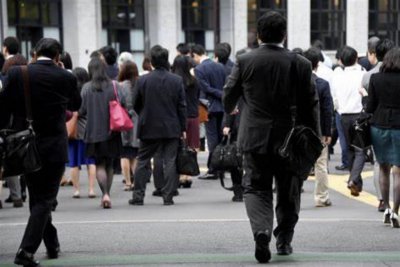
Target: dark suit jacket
x=325, y=104
x=384, y=100
x=262, y=78
x=159, y=99
x=211, y=77
x=53, y=91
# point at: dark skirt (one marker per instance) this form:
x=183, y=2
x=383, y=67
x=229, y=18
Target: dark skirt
x=193, y=132
x=129, y=152
x=386, y=144
x=111, y=148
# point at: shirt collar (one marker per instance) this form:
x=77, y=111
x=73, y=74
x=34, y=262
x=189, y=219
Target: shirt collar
x=9, y=56
x=44, y=58
x=204, y=58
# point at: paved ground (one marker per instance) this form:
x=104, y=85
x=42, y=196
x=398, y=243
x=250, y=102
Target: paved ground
x=205, y=228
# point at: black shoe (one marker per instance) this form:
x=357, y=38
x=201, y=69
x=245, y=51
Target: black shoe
x=186, y=184
x=136, y=202
x=262, y=253
x=168, y=202
x=26, y=259
x=157, y=193
x=1, y=205
x=175, y=193
x=237, y=198
x=53, y=253
x=284, y=248
x=23, y=196
x=8, y=200
x=342, y=168
x=18, y=203
x=208, y=176
x=381, y=206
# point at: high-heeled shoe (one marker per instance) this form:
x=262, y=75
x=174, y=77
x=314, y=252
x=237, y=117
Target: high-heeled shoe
x=106, y=203
x=387, y=216
x=394, y=219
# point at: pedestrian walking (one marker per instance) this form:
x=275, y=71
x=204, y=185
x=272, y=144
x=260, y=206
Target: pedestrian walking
x=263, y=78
x=53, y=90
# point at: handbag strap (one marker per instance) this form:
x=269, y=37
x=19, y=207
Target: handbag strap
x=27, y=95
x=115, y=90
x=293, y=88
x=221, y=177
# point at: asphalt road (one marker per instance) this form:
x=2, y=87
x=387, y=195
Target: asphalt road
x=204, y=228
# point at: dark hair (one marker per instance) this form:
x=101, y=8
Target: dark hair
x=97, y=73
x=81, y=75
x=146, y=64
x=12, y=45
x=222, y=53
x=372, y=42
x=110, y=55
x=2, y=60
x=271, y=27
x=65, y=58
x=198, y=49
x=312, y=55
x=16, y=60
x=228, y=46
x=391, y=61
x=95, y=53
x=48, y=47
x=382, y=48
x=298, y=50
x=348, y=56
x=181, y=67
x=183, y=48
x=128, y=71
x=159, y=57
x=318, y=44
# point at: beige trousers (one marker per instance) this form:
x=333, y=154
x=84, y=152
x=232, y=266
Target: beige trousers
x=321, y=193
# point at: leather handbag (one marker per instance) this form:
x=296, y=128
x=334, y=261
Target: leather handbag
x=360, y=132
x=119, y=118
x=72, y=126
x=226, y=156
x=186, y=160
x=20, y=154
x=302, y=146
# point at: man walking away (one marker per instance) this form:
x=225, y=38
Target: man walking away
x=263, y=78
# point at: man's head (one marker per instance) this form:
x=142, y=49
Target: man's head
x=271, y=27
x=10, y=46
x=48, y=47
x=371, y=54
x=382, y=48
x=159, y=57
x=221, y=53
x=198, y=52
x=109, y=54
x=313, y=55
x=182, y=49
x=348, y=56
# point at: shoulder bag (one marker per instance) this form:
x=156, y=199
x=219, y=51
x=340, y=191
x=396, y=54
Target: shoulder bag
x=302, y=147
x=360, y=132
x=119, y=118
x=20, y=155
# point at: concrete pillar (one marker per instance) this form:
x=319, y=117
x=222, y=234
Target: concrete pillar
x=82, y=29
x=164, y=24
x=299, y=23
x=233, y=24
x=3, y=20
x=357, y=25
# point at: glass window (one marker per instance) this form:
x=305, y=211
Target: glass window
x=384, y=19
x=328, y=23
x=200, y=22
x=123, y=24
x=255, y=9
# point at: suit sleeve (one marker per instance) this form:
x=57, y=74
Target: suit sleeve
x=182, y=107
x=83, y=108
x=372, y=103
x=6, y=94
x=205, y=85
x=137, y=102
x=326, y=105
x=232, y=90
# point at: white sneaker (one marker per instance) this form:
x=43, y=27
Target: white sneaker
x=394, y=219
x=386, y=216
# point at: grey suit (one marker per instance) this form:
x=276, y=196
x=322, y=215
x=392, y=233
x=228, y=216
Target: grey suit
x=262, y=78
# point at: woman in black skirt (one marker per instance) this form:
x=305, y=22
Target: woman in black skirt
x=102, y=144
x=384, y=103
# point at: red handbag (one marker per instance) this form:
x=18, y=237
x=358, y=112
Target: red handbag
x=119, y=118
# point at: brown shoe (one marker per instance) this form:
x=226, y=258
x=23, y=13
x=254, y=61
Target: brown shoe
x=354, y=189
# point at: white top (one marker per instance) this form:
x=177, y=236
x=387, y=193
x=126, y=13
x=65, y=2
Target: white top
x=324, y=72
x=345, y=88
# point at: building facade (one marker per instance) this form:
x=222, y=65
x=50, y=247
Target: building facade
x=135, y=25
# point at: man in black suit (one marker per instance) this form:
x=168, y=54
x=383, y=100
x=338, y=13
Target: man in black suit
x=53, y=91
x=159, y=99
x=211, y=77
x=263, y=79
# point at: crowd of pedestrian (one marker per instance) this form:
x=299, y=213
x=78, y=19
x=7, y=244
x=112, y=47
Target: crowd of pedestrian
x=248, y=102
